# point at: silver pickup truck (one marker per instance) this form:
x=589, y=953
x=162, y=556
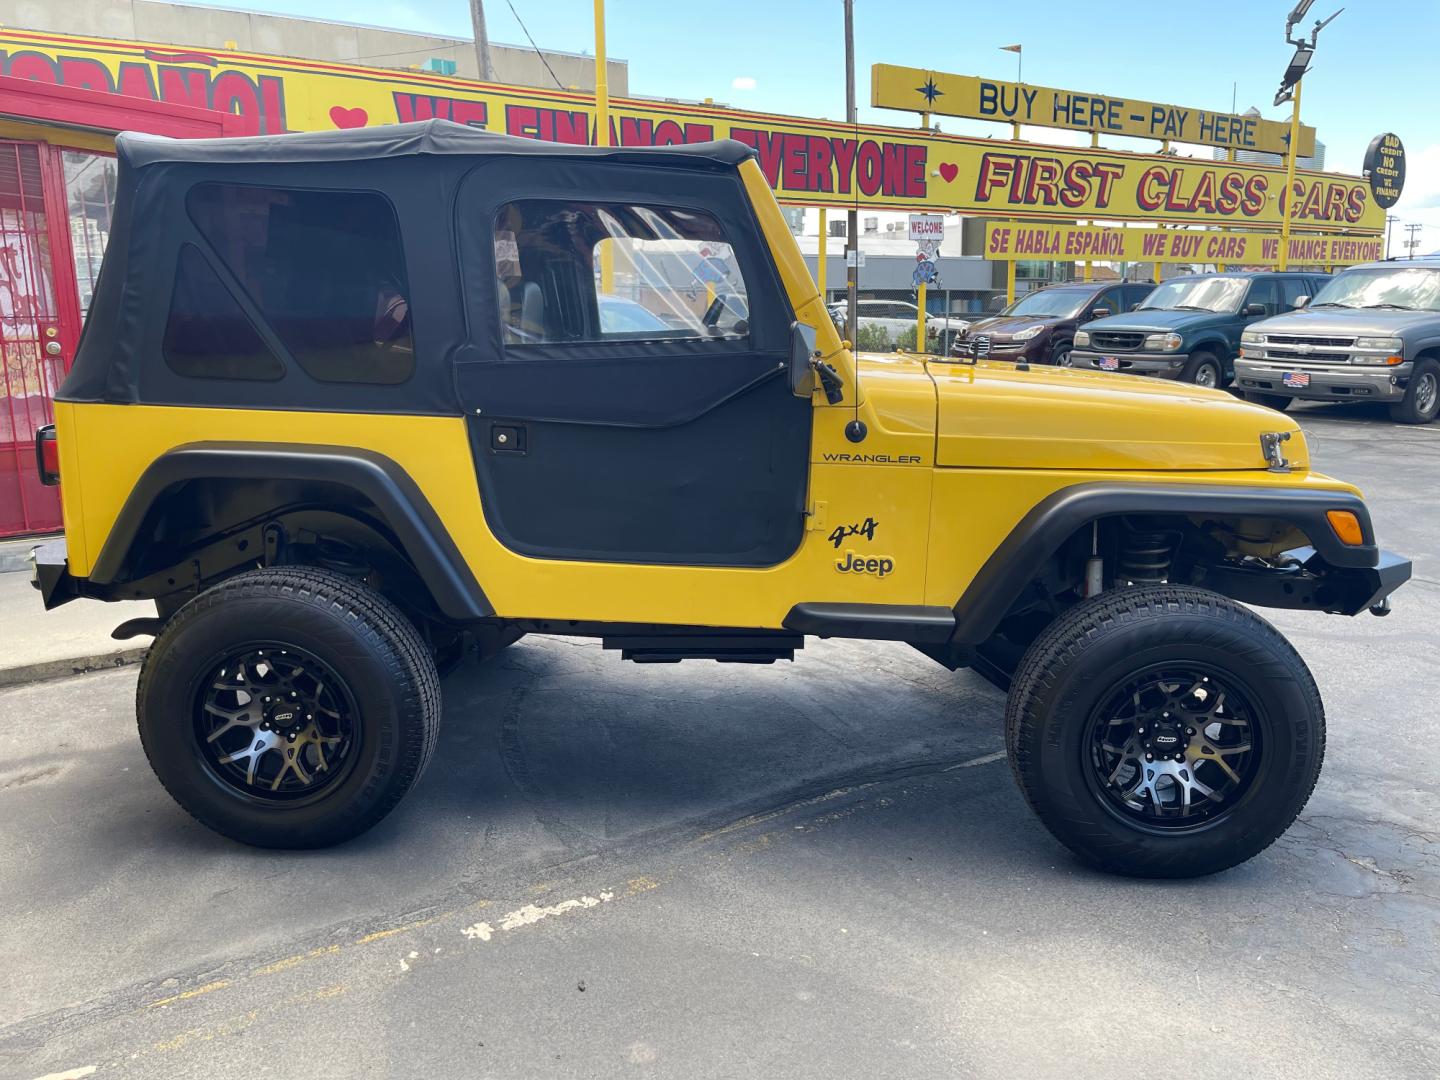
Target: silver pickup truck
x=1372, y=333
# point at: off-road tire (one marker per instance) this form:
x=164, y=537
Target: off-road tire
x=1278, y=402
x=1200, y=359
x=1095, y=646
x=364, y=640
x=1411, y=410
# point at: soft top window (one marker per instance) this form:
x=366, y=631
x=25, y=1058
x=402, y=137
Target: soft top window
x=585, y=272
x=208, y=335
x=324, y=268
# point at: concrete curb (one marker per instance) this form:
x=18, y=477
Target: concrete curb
x=67, y=667
x=15, y=558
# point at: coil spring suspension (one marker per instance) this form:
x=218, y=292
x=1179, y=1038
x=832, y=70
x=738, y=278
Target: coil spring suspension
x=1145, y=558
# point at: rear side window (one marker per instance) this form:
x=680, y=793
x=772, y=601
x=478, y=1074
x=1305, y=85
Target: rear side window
x=325, y=269
x=583, y=272
x=208, y=335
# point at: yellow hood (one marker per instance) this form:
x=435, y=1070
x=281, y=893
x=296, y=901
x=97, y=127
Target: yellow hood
x=991, y=415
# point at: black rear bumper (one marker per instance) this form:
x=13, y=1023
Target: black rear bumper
x=50, y=573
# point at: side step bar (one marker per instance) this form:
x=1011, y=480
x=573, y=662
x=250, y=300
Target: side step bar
x=725, y=648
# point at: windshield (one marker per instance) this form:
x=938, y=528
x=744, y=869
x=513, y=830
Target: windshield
x=1049, y=303
x=1202, y=294
x=1413, y=288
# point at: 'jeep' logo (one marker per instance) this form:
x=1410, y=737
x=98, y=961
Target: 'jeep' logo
x=284, y=717
x=880, y=567
x=1166, y=740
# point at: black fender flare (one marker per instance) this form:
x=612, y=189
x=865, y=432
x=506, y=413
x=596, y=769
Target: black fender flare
x=1021, y=556
x=397, y=498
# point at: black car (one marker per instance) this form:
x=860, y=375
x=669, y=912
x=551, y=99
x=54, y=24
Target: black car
x=1040, y=326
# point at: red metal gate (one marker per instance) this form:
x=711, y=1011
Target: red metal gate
x=39, y=325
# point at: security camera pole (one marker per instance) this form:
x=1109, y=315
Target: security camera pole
x=1290, y=91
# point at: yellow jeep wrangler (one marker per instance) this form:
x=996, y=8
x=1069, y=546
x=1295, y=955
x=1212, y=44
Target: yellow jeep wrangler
x=350, y=404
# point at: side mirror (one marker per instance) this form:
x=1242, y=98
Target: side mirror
x=1100, y=313
x=806, y=366
x=1253, y=309
x=1301, y=301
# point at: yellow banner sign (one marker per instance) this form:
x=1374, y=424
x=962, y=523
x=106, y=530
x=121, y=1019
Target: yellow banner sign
x=917, y=90
x=1019, y=241
x=808, y=162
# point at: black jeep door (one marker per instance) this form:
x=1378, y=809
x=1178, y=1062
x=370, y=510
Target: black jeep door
x=625, y=378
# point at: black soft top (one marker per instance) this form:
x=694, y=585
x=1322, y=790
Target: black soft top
x=421, y=170
x=405, y=140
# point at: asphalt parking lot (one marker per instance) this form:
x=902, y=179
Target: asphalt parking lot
x=817, y=869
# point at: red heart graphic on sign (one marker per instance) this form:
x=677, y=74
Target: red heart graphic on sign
x=948, y=172
x=342, y=117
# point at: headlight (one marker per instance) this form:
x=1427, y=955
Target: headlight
x=1082, y=337
x=1387, y=344
x=1026, y=335
x=1250, y=337
x=1163, y=342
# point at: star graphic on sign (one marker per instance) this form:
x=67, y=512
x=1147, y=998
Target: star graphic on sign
x=1285, y=138
x=930, y=90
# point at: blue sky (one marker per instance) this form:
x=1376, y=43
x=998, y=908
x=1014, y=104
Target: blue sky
x=1366, y=78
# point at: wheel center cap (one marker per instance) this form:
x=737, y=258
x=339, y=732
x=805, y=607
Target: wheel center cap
x=1165, y=740
x=285, y=715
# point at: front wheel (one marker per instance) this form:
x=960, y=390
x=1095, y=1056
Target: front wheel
x=1203, y=369
x=1421, y=403
x=288, y=707
x=1060, y=355
x=1164, y=731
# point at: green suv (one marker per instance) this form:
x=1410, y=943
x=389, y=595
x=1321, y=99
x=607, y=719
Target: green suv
x=1189, y=328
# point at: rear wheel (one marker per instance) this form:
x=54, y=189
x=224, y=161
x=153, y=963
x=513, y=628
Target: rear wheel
x=1421, y=403
x=1164, y=731
x=1278, y=402
x=1203, y=369
x=288, y=708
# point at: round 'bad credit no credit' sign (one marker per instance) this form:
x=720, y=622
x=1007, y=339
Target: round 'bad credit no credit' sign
x=1385, y=168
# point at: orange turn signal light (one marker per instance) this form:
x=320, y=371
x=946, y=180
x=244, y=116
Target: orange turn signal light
x=1347, y=527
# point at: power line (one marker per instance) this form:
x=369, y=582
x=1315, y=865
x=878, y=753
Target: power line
x=538, y=53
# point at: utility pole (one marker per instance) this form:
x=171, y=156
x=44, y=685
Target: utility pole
x=852, y=227
x=1413, y=241
x=1390, y=219
x=482, y=41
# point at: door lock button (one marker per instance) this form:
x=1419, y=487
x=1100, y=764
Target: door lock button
x=508, y=439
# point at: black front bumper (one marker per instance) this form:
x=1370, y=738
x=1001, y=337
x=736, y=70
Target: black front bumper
x=1313, y=584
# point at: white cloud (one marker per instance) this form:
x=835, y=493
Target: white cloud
x=1422, y=179
x=742, y=82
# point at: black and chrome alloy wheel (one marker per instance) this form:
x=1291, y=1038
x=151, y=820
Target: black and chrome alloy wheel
x=1174, y=748
x=288, y=707
x=276, y=724
x=1164, y=731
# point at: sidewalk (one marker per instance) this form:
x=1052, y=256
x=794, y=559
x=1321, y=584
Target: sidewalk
x=38, y=644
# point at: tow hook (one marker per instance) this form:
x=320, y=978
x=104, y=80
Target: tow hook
x=1381, y=609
